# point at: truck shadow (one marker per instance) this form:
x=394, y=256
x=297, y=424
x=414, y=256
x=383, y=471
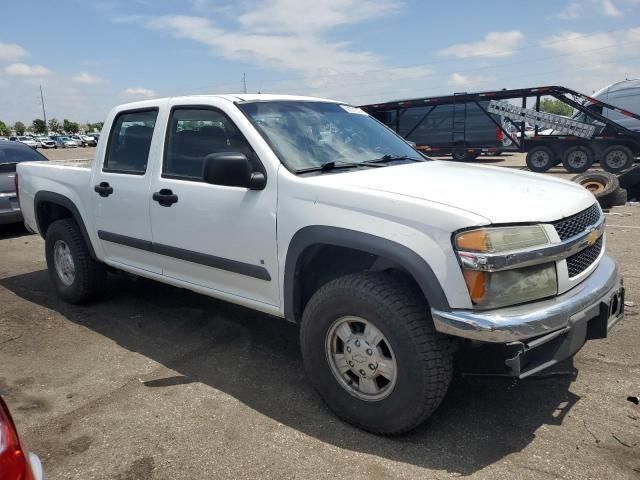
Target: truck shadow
x=13, y=230
x=256, y=359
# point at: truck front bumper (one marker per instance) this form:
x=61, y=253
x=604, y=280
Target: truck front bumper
x=539, y=334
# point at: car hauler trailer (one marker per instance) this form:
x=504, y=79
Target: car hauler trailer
x=460, y=124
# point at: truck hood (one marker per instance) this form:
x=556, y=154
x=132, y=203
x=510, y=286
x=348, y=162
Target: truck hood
x=501, y=195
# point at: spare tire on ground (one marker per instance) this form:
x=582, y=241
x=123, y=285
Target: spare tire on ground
x=603, y=185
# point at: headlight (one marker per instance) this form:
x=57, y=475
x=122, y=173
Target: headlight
x=490, y=286
x=503, y=239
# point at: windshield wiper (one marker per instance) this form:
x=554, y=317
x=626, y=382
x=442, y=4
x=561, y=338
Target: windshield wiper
x=326, y=166
x=390, y=158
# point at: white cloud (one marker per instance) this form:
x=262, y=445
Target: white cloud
x=24, y=70
x=608, y=8
x=572, y=11
x=494, y=45
x=600, y=57
x=86, y=78
x=303, y=53
x=140, y=92
x=476, y=81
x=309, y=16
x=10, y=52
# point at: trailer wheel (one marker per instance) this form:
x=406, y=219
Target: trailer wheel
x=577, y=159
x=603, y=185
x=459, y=153
x=540, y=159
x=616, y=158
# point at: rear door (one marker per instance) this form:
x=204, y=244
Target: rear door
x=121, y=190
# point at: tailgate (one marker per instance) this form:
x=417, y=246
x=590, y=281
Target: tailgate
x=7, y=172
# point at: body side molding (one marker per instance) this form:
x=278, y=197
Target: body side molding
x=241, y=268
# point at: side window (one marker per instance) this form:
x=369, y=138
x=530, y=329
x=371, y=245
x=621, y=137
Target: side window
x=195, y=133
x=130, y=141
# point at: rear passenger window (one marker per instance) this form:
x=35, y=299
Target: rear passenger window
x=130, y=141
x=195, y=133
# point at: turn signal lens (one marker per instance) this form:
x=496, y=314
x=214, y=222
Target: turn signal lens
x=476, y=284
x=473, y=241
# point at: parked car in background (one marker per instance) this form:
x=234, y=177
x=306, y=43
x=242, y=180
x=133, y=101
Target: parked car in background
x=66, y=142
x=46, y=142
x=28, y=141
x=15, y=462
x=89, y=140
x=12, y=153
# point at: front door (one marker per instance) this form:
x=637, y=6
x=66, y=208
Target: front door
x=218, y=237
x=121, y=192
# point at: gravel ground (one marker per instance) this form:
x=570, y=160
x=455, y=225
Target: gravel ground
x=155, y=382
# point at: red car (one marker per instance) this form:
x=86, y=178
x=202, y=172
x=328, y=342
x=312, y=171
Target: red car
x=15, y=462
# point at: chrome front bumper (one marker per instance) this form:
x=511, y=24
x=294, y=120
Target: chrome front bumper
x=511, y=324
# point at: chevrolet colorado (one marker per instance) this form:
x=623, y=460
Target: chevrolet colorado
x=312, y=210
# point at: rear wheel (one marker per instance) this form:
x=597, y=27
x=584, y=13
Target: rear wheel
x=77, y=277
x=540, y=159
x=370, y=349
x=577, y=159
x=616, y=158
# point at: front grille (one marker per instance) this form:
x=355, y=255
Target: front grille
x=579, y=262
x=578, y=223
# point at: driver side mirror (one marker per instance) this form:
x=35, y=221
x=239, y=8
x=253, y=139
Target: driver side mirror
x=232, y=169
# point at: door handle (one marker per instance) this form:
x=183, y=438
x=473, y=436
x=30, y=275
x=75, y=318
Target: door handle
x=103, y=189
x=165, y=197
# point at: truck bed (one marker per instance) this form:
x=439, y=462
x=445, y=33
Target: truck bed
x=69, y=178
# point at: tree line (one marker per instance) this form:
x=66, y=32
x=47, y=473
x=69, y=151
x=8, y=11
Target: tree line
x=38, y=126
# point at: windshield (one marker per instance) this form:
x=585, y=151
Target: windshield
x=310, y=134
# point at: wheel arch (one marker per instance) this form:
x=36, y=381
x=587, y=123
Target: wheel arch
x=52, y=206
x=380, y=251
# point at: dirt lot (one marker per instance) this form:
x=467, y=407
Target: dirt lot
x=154, y=382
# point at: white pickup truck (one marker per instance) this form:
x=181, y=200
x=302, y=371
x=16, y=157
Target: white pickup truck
x=313, y=211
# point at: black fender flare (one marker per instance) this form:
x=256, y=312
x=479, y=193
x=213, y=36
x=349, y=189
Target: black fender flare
x=45, y=196
x=317, y=234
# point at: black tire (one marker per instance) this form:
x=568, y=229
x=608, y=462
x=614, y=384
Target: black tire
x=620, y=197
x=89, y=275
x=398, y=310
x=459, y=154
x=603, y=185
x=577, y=159
x=630, y=178
x=540, y=159
x=616, y=158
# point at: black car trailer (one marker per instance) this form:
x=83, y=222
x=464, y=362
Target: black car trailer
x=593, y=138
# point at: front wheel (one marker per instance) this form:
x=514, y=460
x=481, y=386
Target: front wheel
x=77, y=277
x=370, y=349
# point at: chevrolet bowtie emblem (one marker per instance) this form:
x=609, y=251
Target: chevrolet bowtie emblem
x=592, y=237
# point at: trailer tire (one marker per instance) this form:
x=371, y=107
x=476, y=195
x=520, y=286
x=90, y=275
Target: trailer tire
x=577, y=159
x=616, y=158
x=459, y=153
x=603, y=185
x=540, y=159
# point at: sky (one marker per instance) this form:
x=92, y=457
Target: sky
x=90, y=55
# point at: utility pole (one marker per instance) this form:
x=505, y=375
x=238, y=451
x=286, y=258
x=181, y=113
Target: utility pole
x=244, y=81
x=44, y=113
